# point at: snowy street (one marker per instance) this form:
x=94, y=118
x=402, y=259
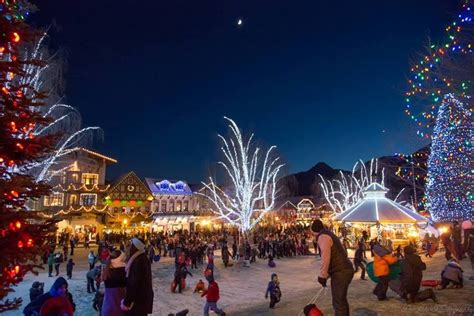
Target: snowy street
x=242, y=293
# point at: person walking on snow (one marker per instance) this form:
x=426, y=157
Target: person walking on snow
x=334, y=264
x=273, y=289
x=212, y=295
x=359, y=260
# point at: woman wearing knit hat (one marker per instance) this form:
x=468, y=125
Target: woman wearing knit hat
x=334, y=264
x=138, y=299
x=114, y=279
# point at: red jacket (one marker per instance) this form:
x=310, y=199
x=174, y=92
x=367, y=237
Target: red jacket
x=57, y=306
x=212, y=292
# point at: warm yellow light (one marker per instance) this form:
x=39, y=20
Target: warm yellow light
x=125, y=221
x=413, y=234
x=443, y=229
x=205, y=222
x=277, y=218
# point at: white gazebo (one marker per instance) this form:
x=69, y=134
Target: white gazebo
x=376, y=210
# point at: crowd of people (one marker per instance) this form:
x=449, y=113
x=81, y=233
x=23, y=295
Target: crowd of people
x=120, y=270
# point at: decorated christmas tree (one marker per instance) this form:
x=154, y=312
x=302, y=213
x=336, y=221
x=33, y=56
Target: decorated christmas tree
x=450, y=178
x=23, y=233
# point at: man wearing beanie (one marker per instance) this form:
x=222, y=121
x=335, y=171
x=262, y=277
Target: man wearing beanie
x=138, y=300
x=334, y=264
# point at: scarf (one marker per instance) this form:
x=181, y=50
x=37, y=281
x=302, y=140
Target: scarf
x=118, y=262
x=130, y=261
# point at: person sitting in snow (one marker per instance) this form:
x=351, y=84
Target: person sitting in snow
x=452, y=273
x=58, y=301
x=273, y=289
x=200, y=287
x=271, y=262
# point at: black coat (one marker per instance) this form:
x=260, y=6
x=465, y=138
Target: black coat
x=139, y=287
x=411, y=275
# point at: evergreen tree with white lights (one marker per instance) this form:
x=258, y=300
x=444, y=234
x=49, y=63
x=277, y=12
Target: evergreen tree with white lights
x=450, y=178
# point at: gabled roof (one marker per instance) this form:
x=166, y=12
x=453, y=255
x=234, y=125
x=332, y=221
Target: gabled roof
x=93, y=153
x=132, y=178
x=171, y=187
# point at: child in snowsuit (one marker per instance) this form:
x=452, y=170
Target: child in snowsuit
x=382, y=260
x=212, y=295
x=273, y=289
x=69, y=266
x=180, y=275
x=452, y=273
x=200, y=287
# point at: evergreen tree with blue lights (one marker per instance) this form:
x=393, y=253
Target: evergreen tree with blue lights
x=450, y=176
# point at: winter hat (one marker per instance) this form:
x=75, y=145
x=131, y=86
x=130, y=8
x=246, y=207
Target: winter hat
x=36, y=285
x=57, y=285
x=138, y=244
x=409, y=250
x=312, y=310
x=317, y=226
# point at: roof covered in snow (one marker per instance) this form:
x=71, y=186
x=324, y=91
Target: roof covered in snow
x=376, y=207
x=158, y=186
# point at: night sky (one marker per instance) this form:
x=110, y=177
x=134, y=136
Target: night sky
x=322, y=80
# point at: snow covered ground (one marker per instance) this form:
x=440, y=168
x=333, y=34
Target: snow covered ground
x=242, y=292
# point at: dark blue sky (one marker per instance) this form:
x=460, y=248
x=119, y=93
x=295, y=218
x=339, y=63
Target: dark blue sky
x=321, y=80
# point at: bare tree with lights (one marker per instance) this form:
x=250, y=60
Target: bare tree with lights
x=65, y=120
x=348, y=189
x=253, y=176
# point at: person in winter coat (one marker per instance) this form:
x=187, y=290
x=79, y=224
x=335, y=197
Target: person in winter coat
x=273, y=289
x=58, y=258
x=382, y=261
x=69, y=267
x=58, y=301
x=50, y=264
x=359, y=260
x=450, y=250
x=115, y=282
x=469, y=247
x=180, y=274
x=151, y=253
x=91, y=259
x=37, y=289
x=138, y=300
x=452, y=273
x=212, y=295
x=225, y=255
x=411, y=277
x=334, y=264
x=91, y=278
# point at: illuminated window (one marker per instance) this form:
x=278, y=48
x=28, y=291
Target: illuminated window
x=90, y=178
x=178, y=206
x=171, y=208
x=88, y=199
x=75, y=178
x=163, y=206
x=185, y=206
x=55, y=199
x=73, y=199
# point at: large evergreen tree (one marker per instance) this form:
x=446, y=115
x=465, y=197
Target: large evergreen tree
x=450, y=177
x=23, y=233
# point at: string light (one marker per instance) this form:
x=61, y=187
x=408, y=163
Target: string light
x=449, y=189
x=253, y=182
x=430, y=80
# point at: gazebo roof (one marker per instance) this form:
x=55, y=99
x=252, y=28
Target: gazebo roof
x=375, y=207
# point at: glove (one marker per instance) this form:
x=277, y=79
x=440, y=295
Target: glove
x=322, y=281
